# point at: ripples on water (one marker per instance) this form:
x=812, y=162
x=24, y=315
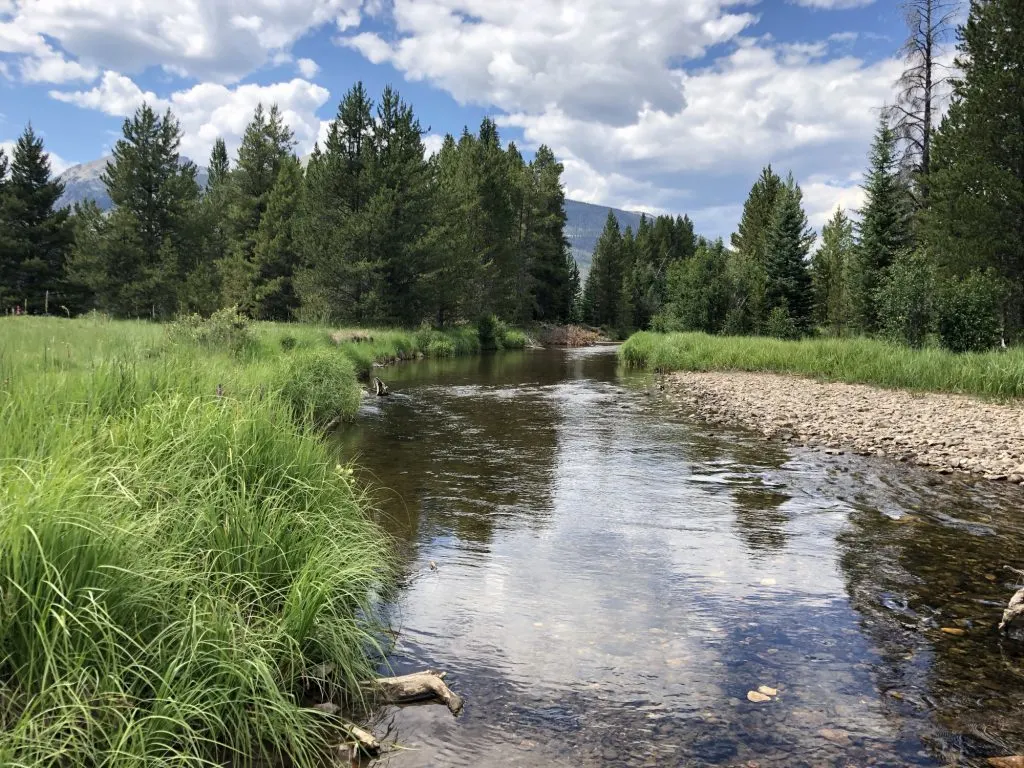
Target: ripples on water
x=614, y=577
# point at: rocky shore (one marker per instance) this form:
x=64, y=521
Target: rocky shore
x=949, y=433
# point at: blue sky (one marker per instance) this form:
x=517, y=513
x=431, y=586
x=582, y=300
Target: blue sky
x=659, y=105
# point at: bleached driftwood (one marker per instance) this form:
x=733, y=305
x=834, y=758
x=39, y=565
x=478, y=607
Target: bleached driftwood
x=419, y=686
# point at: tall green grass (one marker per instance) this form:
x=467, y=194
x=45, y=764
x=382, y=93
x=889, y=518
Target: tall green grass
x=180, y=559
x=865, y=361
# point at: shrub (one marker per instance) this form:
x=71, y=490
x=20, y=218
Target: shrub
x=487, y=328
x=906, y=300
x=320, y=385
x=513, y=339
x=781, y=325
x=440, y=347
x=969, y=313
x=224, y=329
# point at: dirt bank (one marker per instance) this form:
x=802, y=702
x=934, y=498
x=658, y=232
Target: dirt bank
x=946, y=432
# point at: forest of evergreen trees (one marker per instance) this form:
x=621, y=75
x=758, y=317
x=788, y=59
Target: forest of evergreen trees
x=936, y=252
x=370, y=232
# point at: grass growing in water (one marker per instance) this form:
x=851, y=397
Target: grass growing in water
x=864, y=361
x=174, y=563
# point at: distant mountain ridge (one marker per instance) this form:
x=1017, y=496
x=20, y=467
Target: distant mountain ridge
x=584, y=223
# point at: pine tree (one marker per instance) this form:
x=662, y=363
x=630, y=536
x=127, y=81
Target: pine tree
x=976, y=217
x=547, y=258
x=151, y=232
x=450, y=283
x=496, y=223
x=341, y=272
x=87, y=277
x=219, y=166
x=604, y=281
x=276, y=252
x=625, y=316
x=751, y=235
x=37, y=238
x=748, y=260
x=266, y=144
x=788, y=242
x=885, y=226
x=830, y=273
x=401, y=199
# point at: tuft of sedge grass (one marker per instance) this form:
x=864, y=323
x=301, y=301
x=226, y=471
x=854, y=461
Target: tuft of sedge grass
x=176, y=563
x=998, y=375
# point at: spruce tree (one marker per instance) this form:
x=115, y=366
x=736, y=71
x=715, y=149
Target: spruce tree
x=789, y=240
x=37, y=237
x=604, y=281
x=976, y=217
x=830, y=273
x=885, y=226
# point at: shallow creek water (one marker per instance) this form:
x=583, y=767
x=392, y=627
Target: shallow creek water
x=614, y=576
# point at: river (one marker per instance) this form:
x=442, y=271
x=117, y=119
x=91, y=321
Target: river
x=613, y=577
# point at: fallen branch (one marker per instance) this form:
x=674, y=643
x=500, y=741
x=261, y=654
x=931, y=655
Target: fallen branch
x=360, y=738
x=419, y=686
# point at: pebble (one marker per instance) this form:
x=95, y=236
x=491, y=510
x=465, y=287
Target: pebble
x=947, y=433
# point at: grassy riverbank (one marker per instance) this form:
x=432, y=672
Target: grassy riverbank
x=180, y=553
x=858, y=361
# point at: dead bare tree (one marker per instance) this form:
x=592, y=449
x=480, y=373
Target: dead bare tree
x=924, y=83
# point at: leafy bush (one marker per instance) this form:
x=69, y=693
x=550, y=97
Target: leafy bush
x=487, y=328
x=440, y=347
x=969, y=311
x=224, y=329
x=320, y=385
x=906, y=300
x=513, y=339
x=781, y=325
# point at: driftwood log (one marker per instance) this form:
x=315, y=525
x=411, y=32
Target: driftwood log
x=419, y=686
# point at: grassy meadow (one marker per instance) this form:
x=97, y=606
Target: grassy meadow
x=181, y=556
x=860, y=361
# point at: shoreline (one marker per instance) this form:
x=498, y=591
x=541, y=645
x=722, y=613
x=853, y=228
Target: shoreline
x=943, y=432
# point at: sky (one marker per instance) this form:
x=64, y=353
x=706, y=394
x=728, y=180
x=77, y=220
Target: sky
x=665, y=106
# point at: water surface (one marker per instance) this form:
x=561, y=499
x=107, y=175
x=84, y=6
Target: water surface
x=612, y=578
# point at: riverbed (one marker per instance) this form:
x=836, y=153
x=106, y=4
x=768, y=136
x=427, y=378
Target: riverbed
x=612, y=578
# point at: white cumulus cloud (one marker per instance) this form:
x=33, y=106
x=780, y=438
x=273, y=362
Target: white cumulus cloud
x=219, y=40
x=211, y=110
x=605, y=60
x=307, y=68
